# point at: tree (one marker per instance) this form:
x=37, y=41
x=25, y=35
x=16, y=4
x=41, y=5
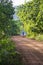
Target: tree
x=14, y=28
x=31, y=15
x=6, y=14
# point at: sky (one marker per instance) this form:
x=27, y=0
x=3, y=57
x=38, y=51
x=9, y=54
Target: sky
x=18, y=2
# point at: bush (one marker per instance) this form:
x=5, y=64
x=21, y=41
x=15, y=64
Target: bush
x=8, y=55
x=35, y=36
x=39, y=37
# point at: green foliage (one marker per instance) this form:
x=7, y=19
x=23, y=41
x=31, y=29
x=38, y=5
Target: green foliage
x=8, y=55
x=31, y=15
x=7, y=25
x=39, y=37
x=6, y=14
x=14, y=27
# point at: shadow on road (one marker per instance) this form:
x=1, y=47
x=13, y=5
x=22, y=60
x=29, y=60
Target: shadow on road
x=31, y=50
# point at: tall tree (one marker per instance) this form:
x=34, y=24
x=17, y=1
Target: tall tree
x=6, y=14
x=31, y=15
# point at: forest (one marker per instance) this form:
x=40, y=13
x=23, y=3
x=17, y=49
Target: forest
x=30, y=20
x=8, y=28
x=31, y=15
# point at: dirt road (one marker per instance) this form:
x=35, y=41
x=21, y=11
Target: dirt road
x=31, y=50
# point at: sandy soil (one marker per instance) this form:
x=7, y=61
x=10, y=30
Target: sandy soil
x=31, y=50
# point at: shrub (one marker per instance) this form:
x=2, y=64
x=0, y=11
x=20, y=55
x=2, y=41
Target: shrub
x=39, y=37
x=8, y=55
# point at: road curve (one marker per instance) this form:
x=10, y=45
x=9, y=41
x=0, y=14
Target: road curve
x=31, y=50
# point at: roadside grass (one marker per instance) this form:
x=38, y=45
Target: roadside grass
x=38, y=37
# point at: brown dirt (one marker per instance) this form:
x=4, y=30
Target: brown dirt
x=31, y=50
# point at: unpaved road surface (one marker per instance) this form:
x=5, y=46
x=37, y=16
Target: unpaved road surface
x=31, y=50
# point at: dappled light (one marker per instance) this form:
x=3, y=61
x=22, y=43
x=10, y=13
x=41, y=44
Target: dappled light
x=21, y=32
x=31, y=50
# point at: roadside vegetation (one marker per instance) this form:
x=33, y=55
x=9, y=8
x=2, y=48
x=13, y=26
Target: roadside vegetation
x=8, y=28
x=31, y=21
x=31, y=15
